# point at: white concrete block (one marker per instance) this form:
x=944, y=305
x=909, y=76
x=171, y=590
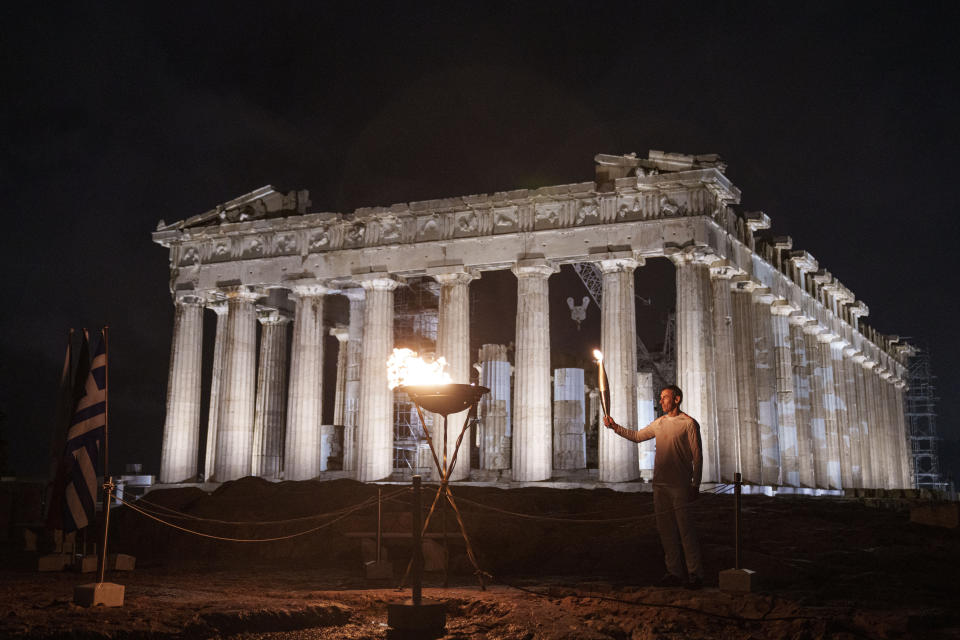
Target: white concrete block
x=106, y=594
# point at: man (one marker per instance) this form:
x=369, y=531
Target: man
x=677, y=469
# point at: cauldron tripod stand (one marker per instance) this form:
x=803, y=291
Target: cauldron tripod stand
x=445, y=399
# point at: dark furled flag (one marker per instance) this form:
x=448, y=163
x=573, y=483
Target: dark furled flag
x=84, y=442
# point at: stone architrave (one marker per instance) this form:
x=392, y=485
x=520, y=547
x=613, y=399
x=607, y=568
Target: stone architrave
x=532, y=407
x=237, y=386
x=646, y=398
x=453, y=344
x=374, y=441
x=844, y=431
x=768, y=430
x=494, y=409
x=786, y=406
x=569, y=436
x=802, y=399
x=618, y=461
x=302, y=456
x=209, y=468
x=351, y=401
x=728, y=417
x=270, y=413
x=695, y=351
x=342, y=334
x=181, y=430
x=745, y=357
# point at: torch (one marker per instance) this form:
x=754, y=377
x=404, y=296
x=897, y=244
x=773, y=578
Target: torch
x=602, y=376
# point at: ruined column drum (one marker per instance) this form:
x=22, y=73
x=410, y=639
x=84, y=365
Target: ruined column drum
x=789, y=384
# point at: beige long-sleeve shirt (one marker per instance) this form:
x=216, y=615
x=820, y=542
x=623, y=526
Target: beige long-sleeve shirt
x=679, y=458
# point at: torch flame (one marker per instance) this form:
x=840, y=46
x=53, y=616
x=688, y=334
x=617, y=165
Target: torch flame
x=405, y=368
x=598, y=355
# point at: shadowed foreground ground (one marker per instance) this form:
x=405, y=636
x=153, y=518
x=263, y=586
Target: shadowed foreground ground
x=831, y=569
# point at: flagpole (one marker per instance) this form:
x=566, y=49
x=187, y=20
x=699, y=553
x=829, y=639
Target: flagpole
x=107, y=479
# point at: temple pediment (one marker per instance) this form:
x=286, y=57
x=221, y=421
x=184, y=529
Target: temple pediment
x=262, y=203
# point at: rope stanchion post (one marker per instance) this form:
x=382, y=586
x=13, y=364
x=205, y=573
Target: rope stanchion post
x=738, y=579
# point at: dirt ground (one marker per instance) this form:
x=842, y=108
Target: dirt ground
x=576, y=564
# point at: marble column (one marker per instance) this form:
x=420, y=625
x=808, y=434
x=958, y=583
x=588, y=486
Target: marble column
x=618, y=457
x=844, y=432
x=453, y=343
x=209, y=467
x=374, y=439
x=818, y=420
x=342, y=334
x=906, y=468
x=863, y=420
x=569, y=416
x=302, y=455
x=728, y=417
x=746, y=379
x=237, y=386
x=270, y=413
x=351, y=401
x=646, y=397
x=892, y=465
x=532, y=406
x=768, y=430
x=695, y=352
x=786, y=405
x=494, y=409
x=830, y=409
x=181, y=429
x=874, y=429
x=849, y=366
x=802, y=400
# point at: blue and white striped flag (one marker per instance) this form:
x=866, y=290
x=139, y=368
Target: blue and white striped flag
x=84, y=441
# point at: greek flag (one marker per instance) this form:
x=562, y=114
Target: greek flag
x=84, y=440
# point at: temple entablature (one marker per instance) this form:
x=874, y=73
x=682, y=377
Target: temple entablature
x=666, y=205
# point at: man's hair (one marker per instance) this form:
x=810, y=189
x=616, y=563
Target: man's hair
x=676, y=391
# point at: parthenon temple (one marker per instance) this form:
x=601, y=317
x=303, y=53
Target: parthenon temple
x=789, y=384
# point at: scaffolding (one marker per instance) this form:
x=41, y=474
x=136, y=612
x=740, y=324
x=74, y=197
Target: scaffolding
x=415, y=319
x=920, y=408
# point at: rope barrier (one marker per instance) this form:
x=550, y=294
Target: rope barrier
x=187, y=516
x=347, y=512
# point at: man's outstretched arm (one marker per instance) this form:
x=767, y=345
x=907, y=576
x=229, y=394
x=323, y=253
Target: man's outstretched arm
x=630, y=434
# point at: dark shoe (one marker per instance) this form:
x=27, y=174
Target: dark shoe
x=694, y=582
x=670, y=580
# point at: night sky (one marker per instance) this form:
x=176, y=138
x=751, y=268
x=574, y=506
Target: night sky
x=839, y=120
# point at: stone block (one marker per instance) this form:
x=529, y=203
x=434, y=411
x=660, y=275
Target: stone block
x=425, y=620
x=738, y=580
x=87, y=564
x=936, y=515
x=53, y=562
x=104, y=594
x=121, y=562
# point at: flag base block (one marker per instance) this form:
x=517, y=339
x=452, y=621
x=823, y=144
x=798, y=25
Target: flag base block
x=738, y=580
x=104, y=594
x=425, y=620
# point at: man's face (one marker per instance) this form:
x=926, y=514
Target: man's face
x=668, y=401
